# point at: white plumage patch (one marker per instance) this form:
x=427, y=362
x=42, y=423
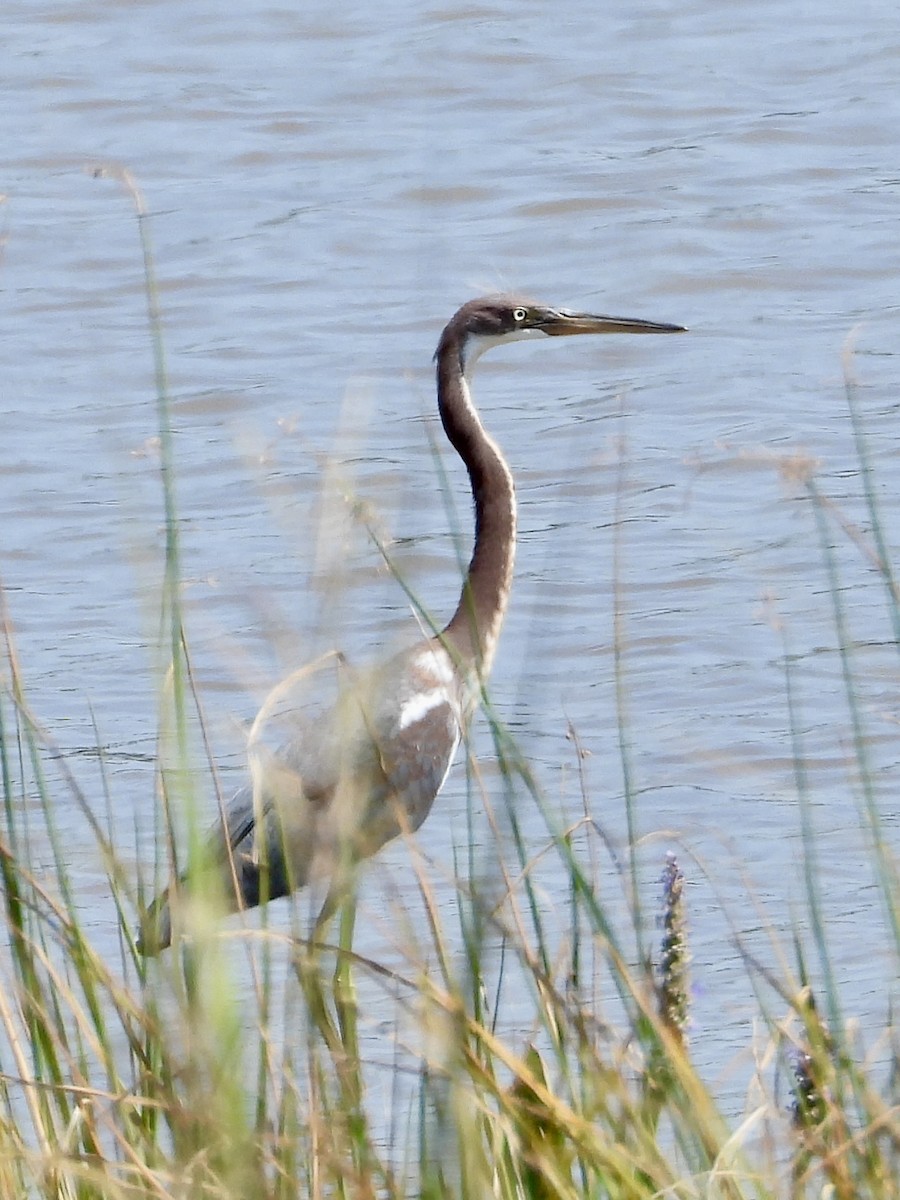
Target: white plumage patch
x=420, y=705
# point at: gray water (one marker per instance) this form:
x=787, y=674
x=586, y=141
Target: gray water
x=326, y=186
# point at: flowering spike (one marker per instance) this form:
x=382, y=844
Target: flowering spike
x=674, y=958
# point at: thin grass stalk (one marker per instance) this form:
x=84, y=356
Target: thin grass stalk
x=811, y=867
x=171, y=608
x=887, y=873
x=867, y=476
x=172, y=602
x=623, y=723
x=471, y=918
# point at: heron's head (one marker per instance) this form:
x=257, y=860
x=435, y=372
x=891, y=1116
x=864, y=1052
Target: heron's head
x=494, y=320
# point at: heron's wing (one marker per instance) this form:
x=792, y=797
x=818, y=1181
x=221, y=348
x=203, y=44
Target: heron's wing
x=338, y=789
x=416, y=759
x=414, y=724
x=371, y=767
x=408, y=754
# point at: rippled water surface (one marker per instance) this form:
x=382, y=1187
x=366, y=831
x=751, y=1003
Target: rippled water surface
x=326, y=185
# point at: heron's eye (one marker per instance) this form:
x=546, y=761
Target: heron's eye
x=519, y=315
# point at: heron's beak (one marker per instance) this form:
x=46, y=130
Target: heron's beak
x=560, y=322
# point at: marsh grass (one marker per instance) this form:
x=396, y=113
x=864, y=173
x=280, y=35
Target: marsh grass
x=241, y=1063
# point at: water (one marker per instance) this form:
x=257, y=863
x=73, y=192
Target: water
x=326, y=186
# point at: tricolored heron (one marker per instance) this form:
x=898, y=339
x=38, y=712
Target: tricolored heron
x=343, y=787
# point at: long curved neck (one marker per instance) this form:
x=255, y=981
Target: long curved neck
x=474, y=628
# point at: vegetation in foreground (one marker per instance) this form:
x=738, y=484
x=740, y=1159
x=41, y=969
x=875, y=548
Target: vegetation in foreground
x=169, y=1079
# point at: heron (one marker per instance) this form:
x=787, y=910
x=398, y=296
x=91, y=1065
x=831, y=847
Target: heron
x=342, y=787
